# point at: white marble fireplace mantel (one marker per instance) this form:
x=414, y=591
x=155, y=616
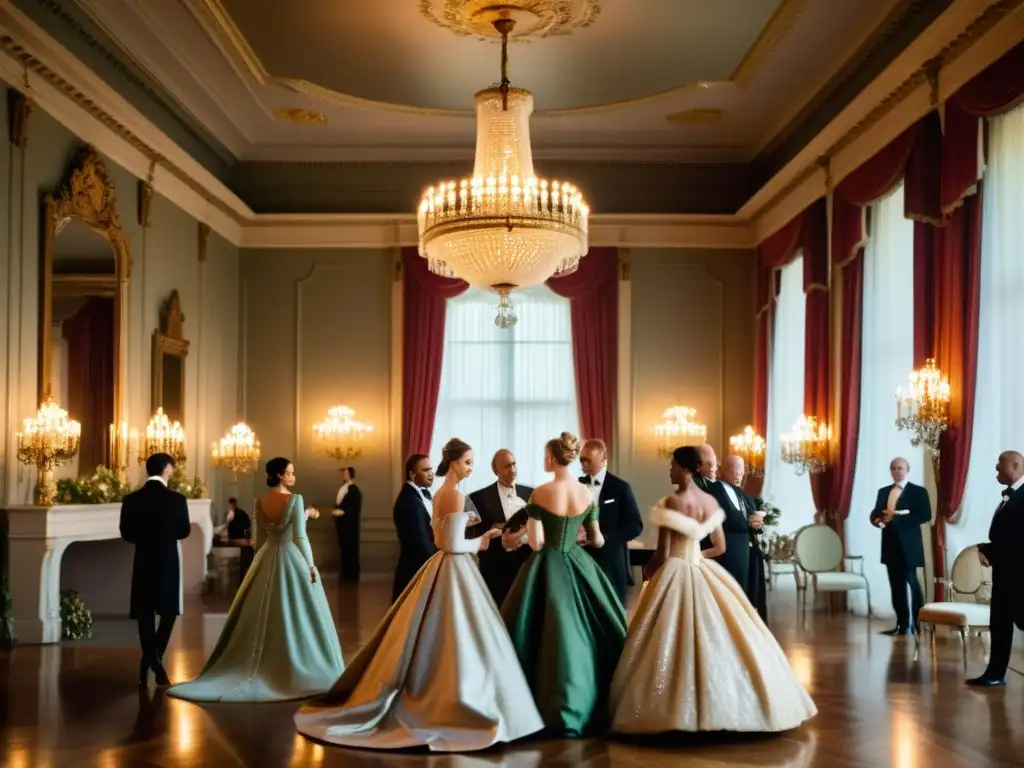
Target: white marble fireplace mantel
x=38, y=538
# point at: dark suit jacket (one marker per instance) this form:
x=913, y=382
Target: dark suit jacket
x=154, y=518
x=1003, y=551
x=901, y=537
x=415, y=538
x=620, y=521
x=735, y=527
x=352, y=506
x=498, y=567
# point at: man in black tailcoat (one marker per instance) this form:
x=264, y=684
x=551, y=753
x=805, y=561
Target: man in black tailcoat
x=154, y=518
x=348, y=509
x=1003, y=553
x=732, y=474
x=412, y=515
x=735, y=527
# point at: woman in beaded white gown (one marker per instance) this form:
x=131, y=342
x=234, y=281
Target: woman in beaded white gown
x=440, y=670
x=698, y=657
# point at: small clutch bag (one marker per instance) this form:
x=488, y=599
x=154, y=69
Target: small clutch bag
x=517, y=522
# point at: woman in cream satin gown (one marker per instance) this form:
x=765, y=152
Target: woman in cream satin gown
x=279, y=642
x=697, y=656
x=440, y=670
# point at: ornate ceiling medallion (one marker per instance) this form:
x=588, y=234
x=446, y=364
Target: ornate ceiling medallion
x=533, y=19
x=301, y=116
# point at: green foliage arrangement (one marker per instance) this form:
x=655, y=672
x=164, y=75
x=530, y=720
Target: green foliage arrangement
x=189, y=487
x=102, y=487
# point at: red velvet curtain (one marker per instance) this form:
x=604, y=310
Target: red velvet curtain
x=849, y=385
x=593, y=293
x=817, y=332
x=90, y=376
x=424, y=301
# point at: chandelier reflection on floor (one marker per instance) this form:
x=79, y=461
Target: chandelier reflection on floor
x=679, y=428
x=340, y=436
x=807, y=446
x=923, y=410
x=503, y=228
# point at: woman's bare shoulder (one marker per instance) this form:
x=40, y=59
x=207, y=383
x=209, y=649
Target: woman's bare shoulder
x=448, y=501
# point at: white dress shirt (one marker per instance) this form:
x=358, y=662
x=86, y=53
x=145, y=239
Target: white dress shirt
x=732, y=496
x=597, y=483
x=510, y=501
x=158, y=478
x=427, y=503
x=1013, y=489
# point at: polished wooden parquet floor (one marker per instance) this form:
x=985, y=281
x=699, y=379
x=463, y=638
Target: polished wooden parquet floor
x=78, y=705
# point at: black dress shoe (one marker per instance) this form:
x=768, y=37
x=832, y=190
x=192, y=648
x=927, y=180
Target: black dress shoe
x=161, y=675
x=896, y=631
x=986, y=682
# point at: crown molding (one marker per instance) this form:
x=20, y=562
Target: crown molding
x=388, y=231
x=964, y=40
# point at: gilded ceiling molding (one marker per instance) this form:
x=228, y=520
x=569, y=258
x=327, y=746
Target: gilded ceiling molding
x=214, y=16
x=772, y=36
x=301, y=116
x=549, y=17
x=927, y=74
x=696, y=117
x=19, y=107
x=28, y=60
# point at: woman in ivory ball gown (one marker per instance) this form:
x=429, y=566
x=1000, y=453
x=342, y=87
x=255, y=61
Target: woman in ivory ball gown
x=440, y=670
x=279, y=642
x=698, y=657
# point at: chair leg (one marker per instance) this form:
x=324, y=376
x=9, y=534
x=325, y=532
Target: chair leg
x=964, y=635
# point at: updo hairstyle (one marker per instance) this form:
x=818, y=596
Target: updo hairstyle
x=565, y=448
x=687, y=457
x=275, y=468
x=453, y=450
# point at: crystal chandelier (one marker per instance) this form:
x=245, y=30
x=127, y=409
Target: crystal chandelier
x=163, y=436
x=807, y=446
x=749, y=446
x=47, y=441
x=679, y=428
x=340, y=435
x=503, y=228
x=923, y=410
x=238, y=451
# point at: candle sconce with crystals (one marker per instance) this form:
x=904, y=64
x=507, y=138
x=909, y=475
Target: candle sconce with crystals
x=48, y=441
x=163, y=436
x=340, y=436
x=679, y=428
x=238, y=451
x=923, y=409
x=749, y=446
x=808, y=446
x=124, y=443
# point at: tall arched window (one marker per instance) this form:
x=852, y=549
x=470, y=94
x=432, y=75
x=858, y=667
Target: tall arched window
x=511, y=388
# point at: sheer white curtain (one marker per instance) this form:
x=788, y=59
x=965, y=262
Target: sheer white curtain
x=999, y=409
x=887, y=335
x=513, y=388
x=788, y=491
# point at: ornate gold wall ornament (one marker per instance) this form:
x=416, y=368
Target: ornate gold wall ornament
x=170, y=348
x=19, y=107
x=696, y=116
x=625, y=260
x=301, y=116
x=145, y=193
x=775, y=31
x=535, y=19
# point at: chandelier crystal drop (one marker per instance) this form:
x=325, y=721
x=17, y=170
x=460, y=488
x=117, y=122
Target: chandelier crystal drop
x=807, y=447
x=503, y=228
x=163, y=436
x=749, y=446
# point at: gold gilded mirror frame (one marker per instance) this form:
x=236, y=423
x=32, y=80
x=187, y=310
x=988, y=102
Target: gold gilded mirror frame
x=87, y=196
x=170, y=348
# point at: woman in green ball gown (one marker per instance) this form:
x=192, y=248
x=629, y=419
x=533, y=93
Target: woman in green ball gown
x=566, y=622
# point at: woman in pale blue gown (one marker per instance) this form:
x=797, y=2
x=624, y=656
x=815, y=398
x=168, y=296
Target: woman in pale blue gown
x=279, y=642
x=440, y=670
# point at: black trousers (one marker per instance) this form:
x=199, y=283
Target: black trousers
x=152, y=638
x=1001, y=621
x=347, y=531
x=900, y=577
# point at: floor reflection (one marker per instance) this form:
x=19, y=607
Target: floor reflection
x=879, y=705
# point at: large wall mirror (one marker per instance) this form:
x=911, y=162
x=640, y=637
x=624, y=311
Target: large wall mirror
x=86, y=262
x=170, y=348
